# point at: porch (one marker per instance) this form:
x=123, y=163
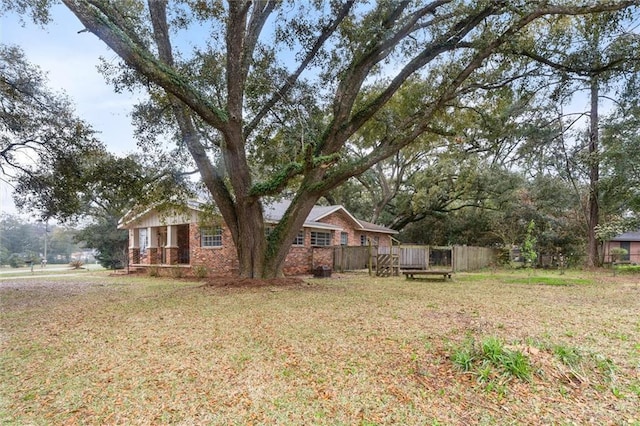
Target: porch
x=167, y=245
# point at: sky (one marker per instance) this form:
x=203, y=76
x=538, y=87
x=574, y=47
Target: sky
x=70, y=60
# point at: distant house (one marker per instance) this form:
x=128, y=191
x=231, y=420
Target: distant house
x=181, y=239
x=630, y=241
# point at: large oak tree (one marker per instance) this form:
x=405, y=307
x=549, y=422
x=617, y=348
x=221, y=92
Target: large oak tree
x=267, y=95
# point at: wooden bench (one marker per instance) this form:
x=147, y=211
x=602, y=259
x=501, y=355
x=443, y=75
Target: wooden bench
x=410, y=273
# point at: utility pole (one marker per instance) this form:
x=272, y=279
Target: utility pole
x=46, y=231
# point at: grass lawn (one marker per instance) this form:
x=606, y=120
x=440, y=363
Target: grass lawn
x=51, y=269
x=486, y=348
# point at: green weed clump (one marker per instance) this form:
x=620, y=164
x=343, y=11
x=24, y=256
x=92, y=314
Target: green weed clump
x=567, y=355
x=491, y=362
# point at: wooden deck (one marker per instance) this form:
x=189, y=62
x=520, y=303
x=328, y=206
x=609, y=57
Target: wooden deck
x=411, y=273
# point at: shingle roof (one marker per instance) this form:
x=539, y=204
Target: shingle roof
x=628, y=236
x=274, y=211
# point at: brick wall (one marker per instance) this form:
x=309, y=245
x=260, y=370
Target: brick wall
x=298, y=261
x=322, y=256
x=218, y=260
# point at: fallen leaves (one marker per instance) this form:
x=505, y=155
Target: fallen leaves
x=355, y=350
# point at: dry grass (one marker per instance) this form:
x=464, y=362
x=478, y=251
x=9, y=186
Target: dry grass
x=350, y=350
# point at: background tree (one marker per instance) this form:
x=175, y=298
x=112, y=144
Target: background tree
x=596, y=56
x=620, y=184
x=37, y=126
x=59, y=170
x=101, y=188
x=452, y=183
x=61, y=244
x=21, y=240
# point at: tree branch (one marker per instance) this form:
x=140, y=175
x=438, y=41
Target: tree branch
x=210, y=174
x=103, y=22
x=338, y=132
x=293, y=77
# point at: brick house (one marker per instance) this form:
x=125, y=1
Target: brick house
x=181, y=240
x=630, y=241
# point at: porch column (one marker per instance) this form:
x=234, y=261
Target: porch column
x=171, y=250
x=154, y=256
x=134, y=245
x=134, y=238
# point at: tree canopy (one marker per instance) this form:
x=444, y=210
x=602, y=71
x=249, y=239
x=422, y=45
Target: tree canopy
x=38, y=127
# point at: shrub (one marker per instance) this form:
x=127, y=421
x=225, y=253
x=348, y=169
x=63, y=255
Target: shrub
x=618, y=253
x=200, y=271
x=16, y=261
x=153, y=271
x=76, y=264
x=503, y=257
x=177, y=272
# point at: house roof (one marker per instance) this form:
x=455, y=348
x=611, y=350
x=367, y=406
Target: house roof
x=275, y=211
x=133, y=215
x=628, y=236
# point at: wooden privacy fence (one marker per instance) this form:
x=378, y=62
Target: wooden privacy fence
x=352, y=258
x=456, y=258
x=470, y=258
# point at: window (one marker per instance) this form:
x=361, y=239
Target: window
x=344, y=238
x=363, y=240
x=211, y=237
x=320, y=238
x=299, y=239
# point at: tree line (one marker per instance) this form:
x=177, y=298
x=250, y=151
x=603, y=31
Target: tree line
x=23, y=242
x=447, y=120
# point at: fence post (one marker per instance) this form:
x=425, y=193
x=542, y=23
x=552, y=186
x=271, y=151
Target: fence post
x=370, y=256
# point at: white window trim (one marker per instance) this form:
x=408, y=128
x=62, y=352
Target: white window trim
x=214, y=233
x=314, y=238
x=298, y=240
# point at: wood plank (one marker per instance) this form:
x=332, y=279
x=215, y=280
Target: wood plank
x=410, y=273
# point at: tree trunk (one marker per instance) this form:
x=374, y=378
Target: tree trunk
x=250, y=243
x=281, y=238
x=594, y=177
